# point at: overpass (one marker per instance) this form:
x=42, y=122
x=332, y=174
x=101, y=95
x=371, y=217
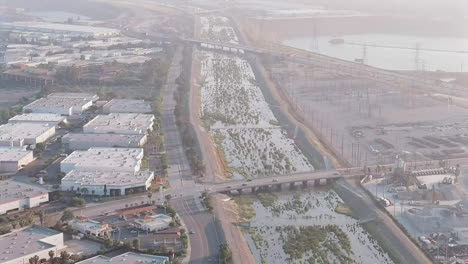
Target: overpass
x=333, y=64
x=316, y=177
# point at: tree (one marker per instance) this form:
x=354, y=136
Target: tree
x=42, y=216
x=67, y=216
x=34, y=260
x=105, y=190
x=150, y=195
x=76, y=201
x=108, y=243
x=64, y=257
x=51, y=255
x=225, y=253
x=136, y=243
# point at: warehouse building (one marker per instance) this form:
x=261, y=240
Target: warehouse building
x=75, y=141
x=62, y=29
x=107, y=183
x=16, y=195
x=127, y=106
x=38, y=118
x=120, y=123
x=104, y=159
x=127, y=258
x=59, y=106
x=21, y=134
x=14, y=159
x=19, y=246
x=84, y=96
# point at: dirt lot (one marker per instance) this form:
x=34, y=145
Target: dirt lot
x=11, y=95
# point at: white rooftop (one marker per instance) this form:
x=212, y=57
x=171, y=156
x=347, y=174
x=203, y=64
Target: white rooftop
x=127, y=106
x=24, y=242
x=84, y=96
x=45, y=117
x=109, y=178
x=120, y=123
x=127, y=258
x=58, y=102
x=113, y=159
x=18, y=131
x=11, y=190
x=117, y=139
x=12, y=154
x=61, y=27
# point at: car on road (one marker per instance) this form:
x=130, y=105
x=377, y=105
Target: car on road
x=191, y=232
x=133, y=231
x=229, y=187
x=244, y=184
x=249, y=180
x=275, y=180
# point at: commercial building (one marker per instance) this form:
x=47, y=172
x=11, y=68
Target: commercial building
x=112, y=183
x=127, y=106
x=13, y=159
x=153, y=222
x=59, y=106
x=127, y=258
x=104, y=159
x=19, y=246
x=84, y=96
x=87, y=226
x=37, y=118
x=16, y=195
x=120, y=123
x=20, y=134
x=62, y=29
x=74, y=141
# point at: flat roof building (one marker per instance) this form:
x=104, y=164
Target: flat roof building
x=127, y=106
x=103, y=159
x=14, y=159
x=84, y=96
x=112, y=183
x=75, y=141
x=154, y=222
x=38, y=118
x=19, y=246
x=16, y=195
x=20, y=134
x=59, y=106
x=63, y=29
x=127, y=258
x=120, y=123
x=89, y=227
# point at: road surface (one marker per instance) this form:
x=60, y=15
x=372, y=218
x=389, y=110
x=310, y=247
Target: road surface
x=204, y=244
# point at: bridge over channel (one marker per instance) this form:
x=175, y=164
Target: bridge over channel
x=316, y=177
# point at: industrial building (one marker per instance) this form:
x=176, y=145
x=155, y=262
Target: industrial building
x=19, y=246
x=20, y=134
x=112, y=183
x=120, y=123
x=153, y=223
x=59, y=106
x=38, y=118
x=87, y=226
x=61, y=29
x=127, y=258
x=84, y=96
x=16, y=195
x=104, y=159
x=126, y=106
x=75, y=141
x=13, y=159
